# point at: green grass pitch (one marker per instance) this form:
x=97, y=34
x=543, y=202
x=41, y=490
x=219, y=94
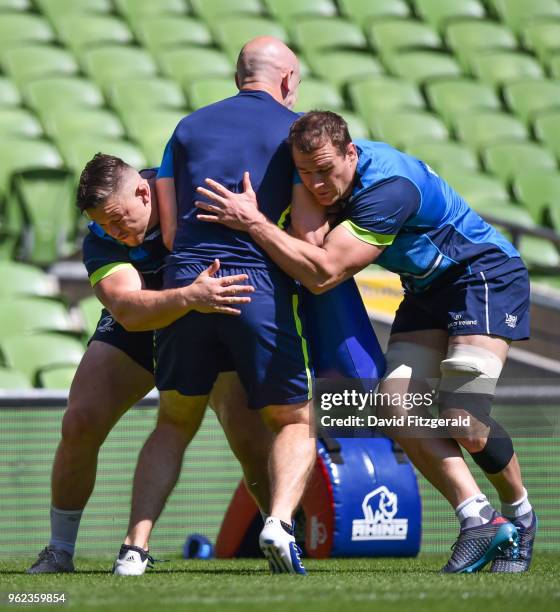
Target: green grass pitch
x=342, y=584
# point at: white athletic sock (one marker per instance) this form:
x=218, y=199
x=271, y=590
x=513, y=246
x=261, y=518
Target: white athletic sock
x=474, y=510
x=64, y=529
x=518, y=508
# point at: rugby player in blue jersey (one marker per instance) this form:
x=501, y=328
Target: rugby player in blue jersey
x=124, y=256
x=466, y=298
x=265, y=344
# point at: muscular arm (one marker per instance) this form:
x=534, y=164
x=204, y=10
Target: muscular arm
x=309, y=220
x=140, y=309
x=319, y=268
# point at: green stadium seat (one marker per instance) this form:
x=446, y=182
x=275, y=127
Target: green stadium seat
x=22, y=279
x=53, y=9
x=531, y=96
x=499, y=67
x=14, y=5
x=23, y=29
x=231, y=32
x=56, y=377
x=213, y=10
x=439, y=13
x=285, y=11
x=356, y=125
x=542, y=37
x=17, y=122
x=468, y=38
x=24, y=64
x=111, y=63
x=90, y=311
x=77, y=152
x=145, y=122
x=135, y=10
x=390, y=35
x=340, y=67
x=144, y=94
x=315, y=94
x=31, y=354
x=420, y=66
x=402, y=128
x=506, y=159
x=475, y=187
x=79, y=30
x=554, y=64
x=158, y=33
x=369, y=96
x=538, y=253
x=58, y=93
x=207, y=91
x=185, y=64
x=13, y=379
x=316, y=33
x=503, y=211
x=441, y=154
x=363, y=12
x=481, y=128
x=152, y=141
x=21, y=154
x=64, y=124
x=9, y=93
x=27, y=315
x=517, y=13
x=455, y=97
x=537, y=189
x=547, y=129
x=46, y=199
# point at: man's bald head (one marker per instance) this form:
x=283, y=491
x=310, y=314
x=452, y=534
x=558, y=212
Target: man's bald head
x=267, y=63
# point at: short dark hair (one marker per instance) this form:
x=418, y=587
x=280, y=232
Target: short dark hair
x=101, y=178
x=315, y=128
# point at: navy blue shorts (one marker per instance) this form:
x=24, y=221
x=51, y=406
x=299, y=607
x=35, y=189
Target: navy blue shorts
x=490, y=302
x=139, y=346
x=265, y=344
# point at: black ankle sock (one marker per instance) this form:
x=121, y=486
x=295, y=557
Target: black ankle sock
x=287, y=527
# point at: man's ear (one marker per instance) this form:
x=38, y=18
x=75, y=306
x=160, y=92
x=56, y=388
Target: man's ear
x=237, y=81
x=143, y=191
x=351, y=152
x=285, y=83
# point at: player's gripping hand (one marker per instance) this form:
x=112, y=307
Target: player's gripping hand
x=236, y=210
x=213, y=294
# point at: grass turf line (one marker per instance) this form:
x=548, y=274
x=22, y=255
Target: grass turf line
x=334, y=584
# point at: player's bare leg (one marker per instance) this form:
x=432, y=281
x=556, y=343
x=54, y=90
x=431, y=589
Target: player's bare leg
x=291, y=461
x=492, y=449
x=248, y=437
x=106, y=384
x=160, y=459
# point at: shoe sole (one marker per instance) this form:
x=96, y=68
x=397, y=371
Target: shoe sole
x=277, y=561
x=506, y=535
x=526, y=569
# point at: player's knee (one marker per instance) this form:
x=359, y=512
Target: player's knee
x=497, y=451
x=79, y=428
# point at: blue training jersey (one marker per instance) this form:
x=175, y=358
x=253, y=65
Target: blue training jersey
x=221, y=141
x=427, y=229
x=104, y=255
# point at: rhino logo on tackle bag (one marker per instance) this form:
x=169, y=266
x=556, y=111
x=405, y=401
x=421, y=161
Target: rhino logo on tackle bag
x=379, y=522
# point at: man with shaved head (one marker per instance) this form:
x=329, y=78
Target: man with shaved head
x=265, y=345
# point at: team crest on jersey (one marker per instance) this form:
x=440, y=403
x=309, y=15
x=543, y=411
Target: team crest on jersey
x=107, y=324
x=511, y=320
x=379, y=523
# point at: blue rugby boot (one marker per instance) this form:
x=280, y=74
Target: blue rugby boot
x=279, y=546
x=477, y=546
x=516, y=560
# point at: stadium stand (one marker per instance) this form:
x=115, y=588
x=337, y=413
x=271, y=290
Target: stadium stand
x=467, y=85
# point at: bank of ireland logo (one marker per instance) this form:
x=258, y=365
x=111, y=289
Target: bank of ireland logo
x=106, y=324
x=379, y=523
